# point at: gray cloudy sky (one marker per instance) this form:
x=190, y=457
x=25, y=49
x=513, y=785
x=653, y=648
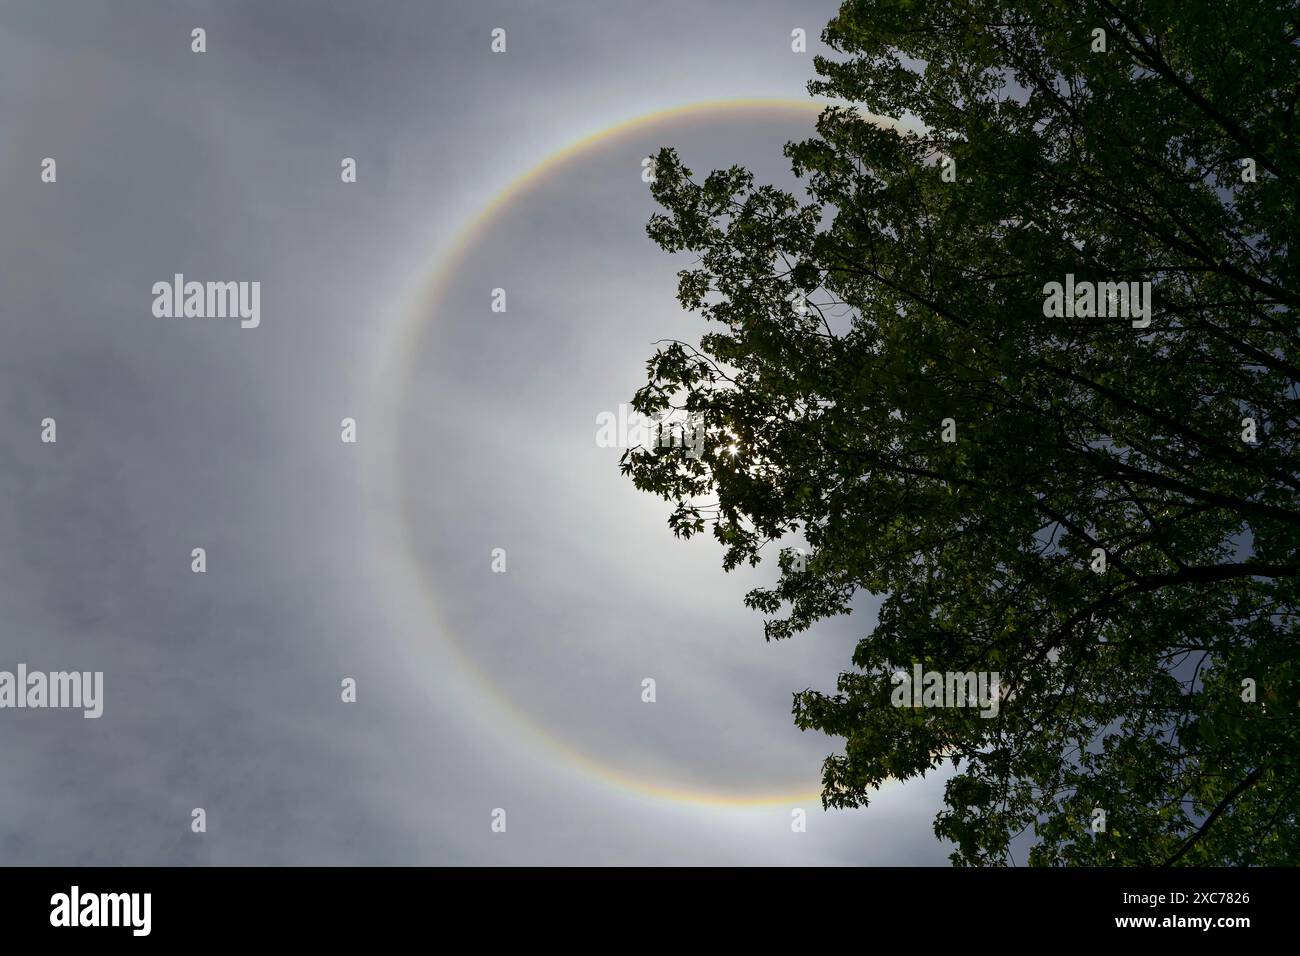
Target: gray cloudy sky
x=476, y=430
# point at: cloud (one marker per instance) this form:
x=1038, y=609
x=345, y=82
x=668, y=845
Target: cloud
x=222, y=689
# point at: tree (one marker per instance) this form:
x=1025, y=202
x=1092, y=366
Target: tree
x=1112, y=527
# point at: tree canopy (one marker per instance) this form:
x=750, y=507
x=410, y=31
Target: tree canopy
x=1100, y=511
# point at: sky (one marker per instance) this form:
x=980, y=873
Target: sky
x=477, y=690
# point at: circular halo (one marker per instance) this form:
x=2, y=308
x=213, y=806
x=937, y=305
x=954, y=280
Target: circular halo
x=394, y=376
